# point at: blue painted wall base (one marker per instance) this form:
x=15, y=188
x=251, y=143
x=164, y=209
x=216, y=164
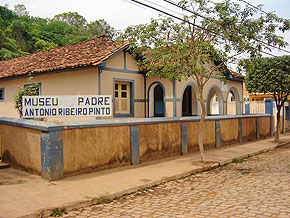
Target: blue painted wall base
x=135, y=154
x=240, y=130
x=51, y=155
x=217, y=134
x=184, y=138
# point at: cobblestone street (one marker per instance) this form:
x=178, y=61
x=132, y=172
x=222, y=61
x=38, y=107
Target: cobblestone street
x=257, y=187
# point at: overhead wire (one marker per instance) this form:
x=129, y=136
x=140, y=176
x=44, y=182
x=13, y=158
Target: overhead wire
x=138, y=5
x=161, y=6
x=253, y=6
x=197, y=14
x=181, y=19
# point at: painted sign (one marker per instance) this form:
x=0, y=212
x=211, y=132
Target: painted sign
x=67, y=106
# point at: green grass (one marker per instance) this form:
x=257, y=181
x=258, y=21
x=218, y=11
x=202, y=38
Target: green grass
x=58, y=212
x=238, y=160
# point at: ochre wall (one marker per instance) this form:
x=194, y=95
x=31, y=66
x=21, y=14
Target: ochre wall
x=264, y=126
x=229, y=131
x=103, y=147
x=107, y=87
x=159, y=140
x=80, y=82
x=249, y=129
x=21, y=148
x=91, y=149
x=208, y=135
x=85, y=82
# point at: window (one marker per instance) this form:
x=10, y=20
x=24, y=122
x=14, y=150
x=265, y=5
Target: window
x=1, y=94
x=122, y=97
x=37, y=85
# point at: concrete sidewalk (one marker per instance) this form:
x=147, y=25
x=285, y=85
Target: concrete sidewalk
x=25, y=195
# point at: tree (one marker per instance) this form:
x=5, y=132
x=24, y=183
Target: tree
x=72, y=19
x=20, y=10
x=270, y=75
x=179, y=50
x=101, y=27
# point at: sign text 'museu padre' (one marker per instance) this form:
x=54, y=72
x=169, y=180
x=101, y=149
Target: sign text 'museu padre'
x=66, y=106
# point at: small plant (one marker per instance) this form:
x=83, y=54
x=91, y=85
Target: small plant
x=58, y=212
x=238, y=160
x=31, y=89
x=104, y=201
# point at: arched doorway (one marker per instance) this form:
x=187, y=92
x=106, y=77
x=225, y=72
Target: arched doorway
x=233, y=102
x=159, y=108
x=156, y=100
x=214, y=101
x=190, y=105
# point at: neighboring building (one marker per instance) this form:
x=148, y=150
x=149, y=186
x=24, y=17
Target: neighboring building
x=103, y=67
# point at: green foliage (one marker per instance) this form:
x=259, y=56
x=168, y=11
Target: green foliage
x=238, y=160
x=22, y=34
x=31, y=89
x=269, y=75
x=20, y=10
x=101, y=27
x=59, y=212
x=72, y=19
x=180, y=50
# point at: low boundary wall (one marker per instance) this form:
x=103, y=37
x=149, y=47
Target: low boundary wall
x=55, y=151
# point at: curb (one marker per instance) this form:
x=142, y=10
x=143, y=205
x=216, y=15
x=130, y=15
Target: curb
x=46, y=212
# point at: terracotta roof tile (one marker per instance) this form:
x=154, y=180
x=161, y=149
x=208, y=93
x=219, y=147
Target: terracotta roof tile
x=87, y=53
x=235, y=74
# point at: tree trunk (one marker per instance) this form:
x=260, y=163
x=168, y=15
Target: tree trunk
x=201, y=129
x=278, y=123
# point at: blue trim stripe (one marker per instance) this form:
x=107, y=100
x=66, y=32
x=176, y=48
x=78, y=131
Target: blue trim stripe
x=139, y=100
x=240, y=130
x=184, y=138
x=145, y=112
x=135, y=153
x=121, y=70
x=217, y=134
x=271, y=126
x=117, y=52
x=257, y=128
x=49, y=126
x=174, y=98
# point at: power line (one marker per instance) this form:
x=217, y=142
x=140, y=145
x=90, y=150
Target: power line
x=171, y=15
x=253, y=6
x=178, y=18
x=193, y=12
x=183, y=8
x=164, y=7
x=145, y=8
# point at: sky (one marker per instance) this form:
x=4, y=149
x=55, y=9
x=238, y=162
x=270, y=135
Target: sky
x=122, y=13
